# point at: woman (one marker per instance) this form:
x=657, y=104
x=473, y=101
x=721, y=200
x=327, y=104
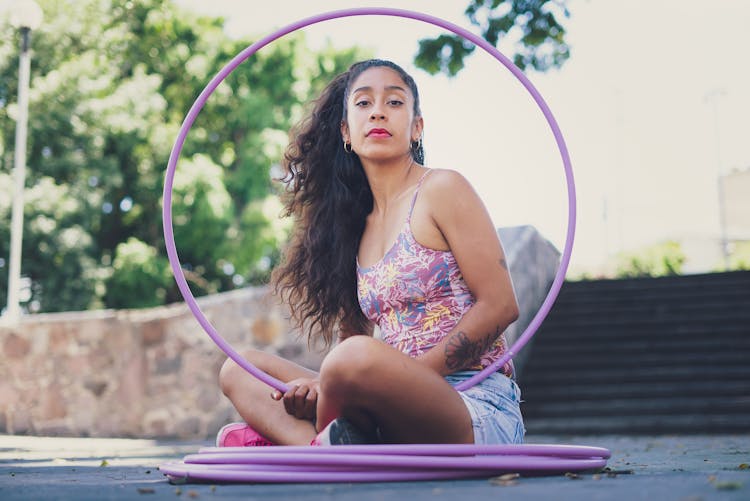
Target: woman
x=381, y=239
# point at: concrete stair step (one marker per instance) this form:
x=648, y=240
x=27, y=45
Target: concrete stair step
x=654, y=389
x=601, y=328
x=638, y=374
x=629, y=358
x=610, y=322
x=713, y=280
x=646, y=405
x=700, y=343
x=664, y=310
x=621, y=288
x=644, y=424
x=596, y=296
x=643, y=356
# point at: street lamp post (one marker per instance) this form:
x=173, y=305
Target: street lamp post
x=26, y=15
x=713, y=98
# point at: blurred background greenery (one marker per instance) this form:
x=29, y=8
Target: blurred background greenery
x=110, y=87
x=111, y=84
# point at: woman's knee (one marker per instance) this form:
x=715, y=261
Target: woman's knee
x=350, y=363
x=231, y=374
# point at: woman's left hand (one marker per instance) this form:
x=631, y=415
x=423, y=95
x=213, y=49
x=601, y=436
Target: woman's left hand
x=301, y=398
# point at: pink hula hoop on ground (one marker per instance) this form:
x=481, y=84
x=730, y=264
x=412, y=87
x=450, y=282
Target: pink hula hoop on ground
x=377, y=462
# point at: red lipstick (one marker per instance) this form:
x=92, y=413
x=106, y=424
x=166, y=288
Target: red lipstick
x=378, y=133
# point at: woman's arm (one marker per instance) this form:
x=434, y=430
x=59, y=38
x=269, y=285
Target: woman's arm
x=462, y=219
x=301, y=398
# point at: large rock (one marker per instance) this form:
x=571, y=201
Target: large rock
x=533, y=263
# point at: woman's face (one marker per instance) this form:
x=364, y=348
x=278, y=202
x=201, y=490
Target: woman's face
x=380, y=122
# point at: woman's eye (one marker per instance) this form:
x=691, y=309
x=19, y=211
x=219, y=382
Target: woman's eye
x=362, y=103
x=395, y=102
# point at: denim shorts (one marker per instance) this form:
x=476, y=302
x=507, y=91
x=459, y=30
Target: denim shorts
x=494, y=408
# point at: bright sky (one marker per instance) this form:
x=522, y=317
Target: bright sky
x=634, y=103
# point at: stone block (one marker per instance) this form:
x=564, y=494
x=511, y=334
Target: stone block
x=266, y=330
x=131, y=388
x=19, y=421
x=59, y=339
x=208, y=399
x=222, y=415
x=77, y=366
x=157, y=423
x=165, y=364
x=52, y=428
x=15, y=346
x=96, y=385
x=8, y=396
x=84, y=415
x=153, y=332
x=188, y=427
x=53, y=404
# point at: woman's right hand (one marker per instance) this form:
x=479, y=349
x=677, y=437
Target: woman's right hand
x=301, y=398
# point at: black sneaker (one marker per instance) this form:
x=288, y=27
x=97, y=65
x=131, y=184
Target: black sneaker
x=340, y=431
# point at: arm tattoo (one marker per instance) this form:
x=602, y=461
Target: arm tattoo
x=462, y=351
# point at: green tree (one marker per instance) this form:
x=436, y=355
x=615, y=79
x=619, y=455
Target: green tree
x=657, y=260
x=140, y=277
x=739, y=258
x=111, y=84
x=532, y=28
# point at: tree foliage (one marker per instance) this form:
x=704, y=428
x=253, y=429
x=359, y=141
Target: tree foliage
x=535, y=38
x=739, y=257
x=666, y=258
x=111, y=84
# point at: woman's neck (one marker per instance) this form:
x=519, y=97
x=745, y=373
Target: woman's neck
x=389, y=181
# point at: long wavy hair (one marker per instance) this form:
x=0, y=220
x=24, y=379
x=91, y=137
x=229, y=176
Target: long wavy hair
x=329, y=197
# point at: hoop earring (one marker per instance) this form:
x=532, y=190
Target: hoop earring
x=416, y=145
x=349, y=145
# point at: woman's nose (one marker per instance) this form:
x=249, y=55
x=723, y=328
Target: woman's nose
x=376, y=112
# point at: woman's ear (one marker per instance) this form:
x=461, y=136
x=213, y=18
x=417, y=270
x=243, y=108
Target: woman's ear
x=417, y=128
x=345, y=131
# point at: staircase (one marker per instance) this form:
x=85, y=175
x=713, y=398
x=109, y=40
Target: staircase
x=642, y=356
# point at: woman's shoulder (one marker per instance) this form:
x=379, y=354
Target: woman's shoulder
x=450, y=196
x=445, y=183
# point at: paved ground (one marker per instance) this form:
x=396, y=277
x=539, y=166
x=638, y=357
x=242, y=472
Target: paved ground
x=685, y=468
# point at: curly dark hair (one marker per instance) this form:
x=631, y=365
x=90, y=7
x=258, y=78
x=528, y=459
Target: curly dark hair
x=329, y=197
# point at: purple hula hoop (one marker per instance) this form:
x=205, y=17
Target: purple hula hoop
x=252, y=49
x=379, y=462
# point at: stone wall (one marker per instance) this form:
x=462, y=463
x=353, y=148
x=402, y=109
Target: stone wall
x=145, y=373
x=153, y=373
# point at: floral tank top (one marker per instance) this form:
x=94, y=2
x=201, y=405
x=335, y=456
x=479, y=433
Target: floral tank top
x=417, y=295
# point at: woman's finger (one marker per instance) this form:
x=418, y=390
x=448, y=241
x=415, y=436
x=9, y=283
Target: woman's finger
x=311, y=403
x=300, y=396
x=289, y=399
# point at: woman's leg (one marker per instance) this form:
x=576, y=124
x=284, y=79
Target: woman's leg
x=252, y=398
x=366, y=381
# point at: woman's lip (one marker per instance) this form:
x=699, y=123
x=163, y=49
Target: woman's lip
x=378, y=133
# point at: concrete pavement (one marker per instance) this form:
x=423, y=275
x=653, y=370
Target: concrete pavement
x=664, y=468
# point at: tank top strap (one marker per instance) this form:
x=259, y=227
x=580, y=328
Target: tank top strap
x=416, y=192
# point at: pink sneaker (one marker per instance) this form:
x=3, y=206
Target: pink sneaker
x=240, y=435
